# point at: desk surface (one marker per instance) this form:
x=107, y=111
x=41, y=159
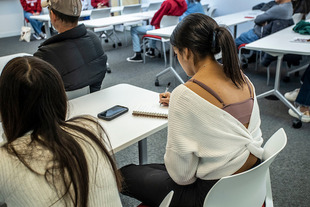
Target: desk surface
x=238, y=18
x=126, y=129
x=227, y=20
x=5, y=59
x=281, y=43
x=85, y=13
x=114, y=20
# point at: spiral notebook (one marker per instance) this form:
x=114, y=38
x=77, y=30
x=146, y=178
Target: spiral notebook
x=155, y=111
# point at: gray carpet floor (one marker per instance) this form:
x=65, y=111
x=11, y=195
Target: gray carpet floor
x=290, y=172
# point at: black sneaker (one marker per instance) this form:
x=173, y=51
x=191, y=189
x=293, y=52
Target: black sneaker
x=137, y=58
x=150, y=53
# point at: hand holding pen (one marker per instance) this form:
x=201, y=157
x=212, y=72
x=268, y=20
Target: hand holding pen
x=164, y=98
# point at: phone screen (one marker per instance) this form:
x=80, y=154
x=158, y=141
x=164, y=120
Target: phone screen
x=113, y=112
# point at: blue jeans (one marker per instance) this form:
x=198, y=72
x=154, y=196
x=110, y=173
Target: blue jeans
x=140, y=30
x=246, y=37
x=303, y=97
x=34, y=23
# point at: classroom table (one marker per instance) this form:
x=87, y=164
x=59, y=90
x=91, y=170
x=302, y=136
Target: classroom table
x=115, y=20
x=279, y=44
x=237, y=18
x=126, y=129
x=5, y=59
x=45, y=18
x=226, y=20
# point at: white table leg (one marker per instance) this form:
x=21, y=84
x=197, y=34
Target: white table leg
x=170, y=68
x=47, y=29
x=276, y=91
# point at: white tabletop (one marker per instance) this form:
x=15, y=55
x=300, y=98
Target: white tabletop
x=126, y=129
x=85, y=13
x=5, y=59
x=114, y=20
x=238, y=18
x=227, y=20
x=281, y=43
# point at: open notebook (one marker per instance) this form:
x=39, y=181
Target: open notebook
x=155, y=111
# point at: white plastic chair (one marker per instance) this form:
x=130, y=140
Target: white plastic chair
x=210, y=12
x=131, y=9
x=166, y=21
x=251, y=188
x=102, y=13
x=167, y=200
x=77, y=93
x=154, y=6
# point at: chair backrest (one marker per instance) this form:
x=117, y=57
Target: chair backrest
x=167, y=21
x=205, y=8
x=77, y=93
x=167, y=200
x=154, y=6
x=210, y=12
x=297, y=17
x=130, y=9
x=100, y=13
x=247, y=188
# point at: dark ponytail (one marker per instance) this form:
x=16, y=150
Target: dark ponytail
x=201, y=34
x=230, y=58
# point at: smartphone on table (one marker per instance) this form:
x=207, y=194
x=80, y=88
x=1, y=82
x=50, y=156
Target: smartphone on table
x=112, y=112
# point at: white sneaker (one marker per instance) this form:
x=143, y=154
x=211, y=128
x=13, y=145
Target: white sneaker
x=305, y=115
x=35, y=35
x=42, y=35
x=291, y=96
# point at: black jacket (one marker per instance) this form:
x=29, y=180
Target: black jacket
x=78, y=56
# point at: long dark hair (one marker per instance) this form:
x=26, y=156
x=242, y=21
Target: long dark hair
x=33, y=100
x=201, y=35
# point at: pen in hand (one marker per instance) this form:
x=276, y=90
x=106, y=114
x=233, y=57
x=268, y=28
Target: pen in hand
x=166, y=90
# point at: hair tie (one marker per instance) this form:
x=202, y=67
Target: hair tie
x=214, y=40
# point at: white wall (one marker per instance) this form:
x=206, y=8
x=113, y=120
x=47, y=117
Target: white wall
x=231, y=6
x=11, y=13
x=11, y=18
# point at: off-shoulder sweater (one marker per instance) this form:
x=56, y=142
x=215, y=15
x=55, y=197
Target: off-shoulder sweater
x=205, y=141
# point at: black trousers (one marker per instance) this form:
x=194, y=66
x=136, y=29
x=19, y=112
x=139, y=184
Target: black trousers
x=151, y=183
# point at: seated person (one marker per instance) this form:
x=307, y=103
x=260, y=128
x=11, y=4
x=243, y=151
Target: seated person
x=193, y=6
x=86, y=5
x=100, y=3
x=46, y=160
x=33, y=8
x=168, y=7
x=283, y=10
x=301, y=97
x=75, y=52
x=211, y=133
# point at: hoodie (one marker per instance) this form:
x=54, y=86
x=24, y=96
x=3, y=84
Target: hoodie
x=171, y=8
x=31, y=6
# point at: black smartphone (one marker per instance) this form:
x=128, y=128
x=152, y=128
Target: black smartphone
x=112, y=112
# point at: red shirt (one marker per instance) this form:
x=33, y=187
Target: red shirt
x=169, y=7
x=31, y=6
x=104, y=2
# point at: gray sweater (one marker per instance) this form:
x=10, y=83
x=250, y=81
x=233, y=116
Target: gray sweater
x=280, y=11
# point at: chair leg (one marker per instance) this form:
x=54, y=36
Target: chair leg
x=144, y=49
x=268, y=75
x=164, y=51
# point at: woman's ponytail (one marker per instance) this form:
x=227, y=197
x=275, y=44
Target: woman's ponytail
x=231, y=65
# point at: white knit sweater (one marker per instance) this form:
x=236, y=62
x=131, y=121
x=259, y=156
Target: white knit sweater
x=205, y=141
x=22, y=188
